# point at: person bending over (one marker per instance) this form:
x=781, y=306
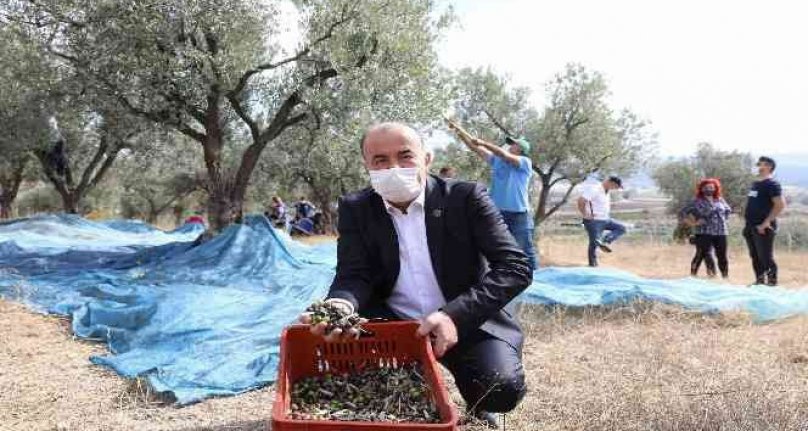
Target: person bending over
x=595, y=208
x=416, y=246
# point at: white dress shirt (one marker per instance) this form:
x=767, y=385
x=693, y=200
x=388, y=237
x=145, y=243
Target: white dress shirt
x=598, y=203
x=417, y=292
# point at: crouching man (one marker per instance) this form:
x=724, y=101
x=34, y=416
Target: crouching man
x=415, y=246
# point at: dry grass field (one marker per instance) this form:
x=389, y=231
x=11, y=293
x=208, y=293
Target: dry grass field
x=670, y=261
x=638, y=367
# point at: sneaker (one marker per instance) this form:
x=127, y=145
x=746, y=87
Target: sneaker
x=603, y=246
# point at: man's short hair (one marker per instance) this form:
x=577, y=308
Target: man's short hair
x=768, y=160
x=446, y=169
x=386, y=126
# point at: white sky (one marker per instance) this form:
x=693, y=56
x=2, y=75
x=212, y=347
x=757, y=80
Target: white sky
x=734, y=73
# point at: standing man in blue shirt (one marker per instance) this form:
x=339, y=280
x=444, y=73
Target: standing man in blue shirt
x=511, y=172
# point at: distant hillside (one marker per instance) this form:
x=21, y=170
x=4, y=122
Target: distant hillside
x=792, y=169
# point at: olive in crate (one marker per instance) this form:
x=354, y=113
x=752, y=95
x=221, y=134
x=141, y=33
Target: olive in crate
x=373, y=395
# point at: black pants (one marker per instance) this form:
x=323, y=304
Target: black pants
x=705, y=244
x=488, y=372
x=761, y=250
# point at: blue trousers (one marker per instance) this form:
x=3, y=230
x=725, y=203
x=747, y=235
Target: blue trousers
x=595, y=229
x=521, y=227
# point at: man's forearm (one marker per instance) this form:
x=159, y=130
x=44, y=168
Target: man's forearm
x=495, y=150
x=777, y=209
x=470, y=143
x=499, y=152
x=582, y=208
x=482, y=152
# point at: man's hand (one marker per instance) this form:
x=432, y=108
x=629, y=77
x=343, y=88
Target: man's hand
x=320, y=328
x=443, y=331
x=764, y=227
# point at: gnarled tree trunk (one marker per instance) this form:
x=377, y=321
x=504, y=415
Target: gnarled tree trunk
x=61, y=177
x=10, y=185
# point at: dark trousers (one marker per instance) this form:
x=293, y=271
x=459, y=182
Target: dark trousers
x=761, y=250
x=520, y=225
x=705, y=245
x=488, y=372
x=595, y=229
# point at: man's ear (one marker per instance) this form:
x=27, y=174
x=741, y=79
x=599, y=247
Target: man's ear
x=429, y=158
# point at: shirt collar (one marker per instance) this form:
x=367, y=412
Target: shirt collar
x=419, y=201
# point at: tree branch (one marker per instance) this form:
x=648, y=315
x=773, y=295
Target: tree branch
x=559, y=204
x=242, y=113
x=88, y=171
x=558, y=180
x=497, y=123
x=162, y=117
x=104, y=168
x=599, y=164
x=345, y=17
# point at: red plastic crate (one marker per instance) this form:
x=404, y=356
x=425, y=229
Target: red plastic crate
x=392, y=343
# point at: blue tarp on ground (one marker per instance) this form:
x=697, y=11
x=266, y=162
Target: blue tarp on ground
x=205, y=321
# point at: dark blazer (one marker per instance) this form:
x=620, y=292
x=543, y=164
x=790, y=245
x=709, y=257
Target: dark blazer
x=477, y=262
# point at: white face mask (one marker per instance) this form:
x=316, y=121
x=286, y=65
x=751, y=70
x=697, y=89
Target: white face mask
x=396, y=185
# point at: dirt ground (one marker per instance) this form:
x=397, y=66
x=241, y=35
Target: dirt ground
x=643, y=367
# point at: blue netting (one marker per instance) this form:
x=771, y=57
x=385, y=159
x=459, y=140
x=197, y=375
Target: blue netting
x=204, y=321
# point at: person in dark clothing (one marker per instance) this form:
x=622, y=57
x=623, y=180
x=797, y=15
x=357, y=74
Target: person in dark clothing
x=764, y=204
x=709, y=214
x=416, y=246
x=303, y=209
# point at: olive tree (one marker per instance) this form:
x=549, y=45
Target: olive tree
x=678, y=178
x=575, y=135
x=218, y=72
x=23, y=88
x=159, y=176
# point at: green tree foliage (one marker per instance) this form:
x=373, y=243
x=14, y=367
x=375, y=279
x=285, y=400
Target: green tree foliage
x=160, y=176
x=678, y=178
x=466, y=163
x=85, y=143
x=217, y=71
x=51, y=115
x=22, y=90
x=575, y=135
